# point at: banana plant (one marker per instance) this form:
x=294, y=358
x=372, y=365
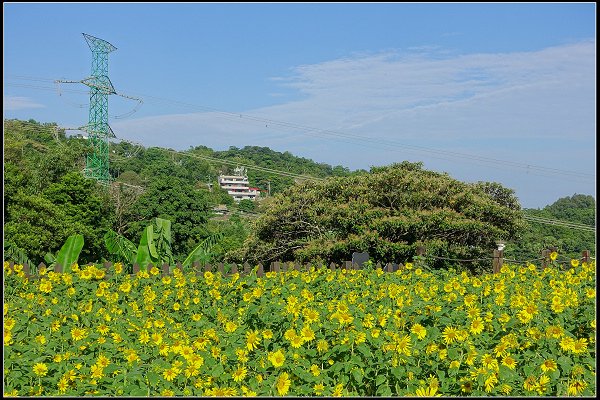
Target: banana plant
x=155, y=246
x=119, y=246
x=202, y=252
x=159, y=243
x=68, y=253
x=147, y=252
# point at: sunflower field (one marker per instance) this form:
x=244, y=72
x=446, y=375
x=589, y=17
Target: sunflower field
x=317, y=332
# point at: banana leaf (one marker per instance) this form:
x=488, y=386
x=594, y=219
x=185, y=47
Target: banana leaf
x=146, y=253
x=69, y=252
x=202, y=252
x=120, y=246
x=162, y=240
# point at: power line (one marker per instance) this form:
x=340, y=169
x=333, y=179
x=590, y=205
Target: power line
x=116, y=183
x=560, y=223
x=571, y=225
x=50, y=88
x=206, y=158
x=235, y=163
x=434, y=153
x=30, y=78
x=60, y=90
x=530, y=168
x=555, y=221
x=222, y=161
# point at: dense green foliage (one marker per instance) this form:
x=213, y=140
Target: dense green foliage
x=388, y=213
x=173, y=199
x=569, y=242
x=147, y=164
x=47, y=199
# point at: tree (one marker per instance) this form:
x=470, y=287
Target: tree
x=176, y=200
x=46, y=199
x=41, y=152
x=38, y=219
x=233, y=231
x=35, y=225
x=86, y=205
x=388, y=213
x=124, y=192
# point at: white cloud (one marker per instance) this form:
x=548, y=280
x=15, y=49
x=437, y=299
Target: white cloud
x=539, y=93
x=416, y=91
x=515, y=106
x=12, y=103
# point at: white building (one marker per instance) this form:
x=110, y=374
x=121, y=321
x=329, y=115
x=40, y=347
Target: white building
x=237, y=185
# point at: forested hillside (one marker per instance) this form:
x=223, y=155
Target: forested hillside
x=135, y=165
x=47, y=199
x=579, y=208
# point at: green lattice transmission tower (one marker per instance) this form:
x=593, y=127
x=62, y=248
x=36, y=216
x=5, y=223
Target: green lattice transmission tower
x=96, y=165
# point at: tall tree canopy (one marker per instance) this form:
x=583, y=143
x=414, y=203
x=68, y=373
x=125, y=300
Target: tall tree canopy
x=388, y=213
x=38, y=223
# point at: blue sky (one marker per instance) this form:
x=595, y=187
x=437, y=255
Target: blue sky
x=481, y=91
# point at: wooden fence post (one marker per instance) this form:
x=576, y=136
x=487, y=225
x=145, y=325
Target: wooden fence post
x=498, y=260
x=585, y=256
x=420, y=253
x=545, y=258
x=27, y=271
